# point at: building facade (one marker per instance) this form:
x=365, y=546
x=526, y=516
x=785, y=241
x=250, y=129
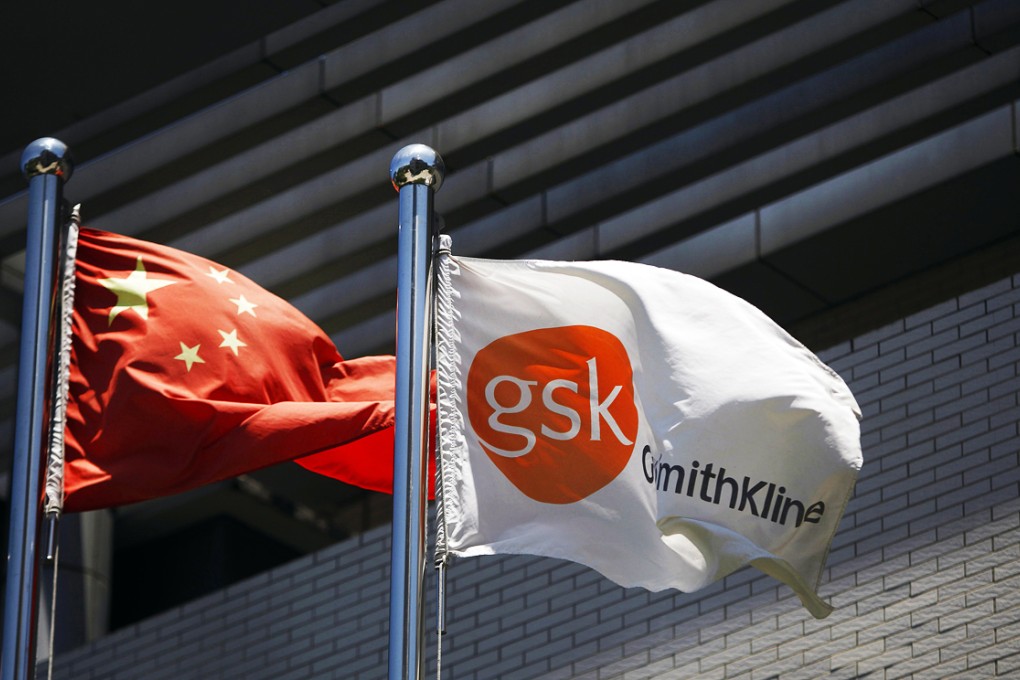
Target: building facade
x=849, y=166
x=924, y=571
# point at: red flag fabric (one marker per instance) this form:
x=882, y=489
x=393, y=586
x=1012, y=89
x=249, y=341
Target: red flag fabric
x=184, y=372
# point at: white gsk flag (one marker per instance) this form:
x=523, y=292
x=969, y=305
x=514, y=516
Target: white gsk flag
x=639, y=421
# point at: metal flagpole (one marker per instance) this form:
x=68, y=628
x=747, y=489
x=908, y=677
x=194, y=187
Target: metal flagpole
x=46, y=164
x=416, y=172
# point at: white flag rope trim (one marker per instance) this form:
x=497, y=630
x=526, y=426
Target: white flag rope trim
x=637, y=420
x=54, y=485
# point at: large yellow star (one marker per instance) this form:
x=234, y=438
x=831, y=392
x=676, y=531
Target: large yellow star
x=132, y=292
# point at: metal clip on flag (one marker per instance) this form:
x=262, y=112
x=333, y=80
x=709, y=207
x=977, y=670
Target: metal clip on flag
x=417, y=173
x=46, y=164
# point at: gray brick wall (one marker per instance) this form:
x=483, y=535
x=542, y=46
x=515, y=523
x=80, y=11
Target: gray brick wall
x=924, y=572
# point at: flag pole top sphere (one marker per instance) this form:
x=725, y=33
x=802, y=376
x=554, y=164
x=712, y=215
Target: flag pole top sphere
x=417, y=164
x=47, y=156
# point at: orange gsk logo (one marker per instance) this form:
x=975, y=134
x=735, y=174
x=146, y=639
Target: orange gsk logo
x=554, y=410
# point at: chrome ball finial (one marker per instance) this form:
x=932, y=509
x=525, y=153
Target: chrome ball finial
x=417, y=164
x=47, y=156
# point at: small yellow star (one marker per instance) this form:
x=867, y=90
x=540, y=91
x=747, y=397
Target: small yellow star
x=244, y=306
x=132, y=292
x=189, y=355
x=221, y=276
x=232, y=341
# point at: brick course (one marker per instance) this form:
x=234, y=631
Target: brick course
x=924, y=572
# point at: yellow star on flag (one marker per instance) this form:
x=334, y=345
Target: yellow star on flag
x=132, y=292
x=221, y=275
x=231, y=340
x=189, y=355
x=244, y=306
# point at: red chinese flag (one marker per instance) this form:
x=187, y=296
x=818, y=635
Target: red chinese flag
x=185, y=373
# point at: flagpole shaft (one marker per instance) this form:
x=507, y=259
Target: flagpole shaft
x=47, y=165
x=416, y=172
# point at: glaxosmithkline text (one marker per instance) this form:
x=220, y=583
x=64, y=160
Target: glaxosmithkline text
x=712, y=485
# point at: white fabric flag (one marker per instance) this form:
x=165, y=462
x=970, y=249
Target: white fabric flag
x=639, y=421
